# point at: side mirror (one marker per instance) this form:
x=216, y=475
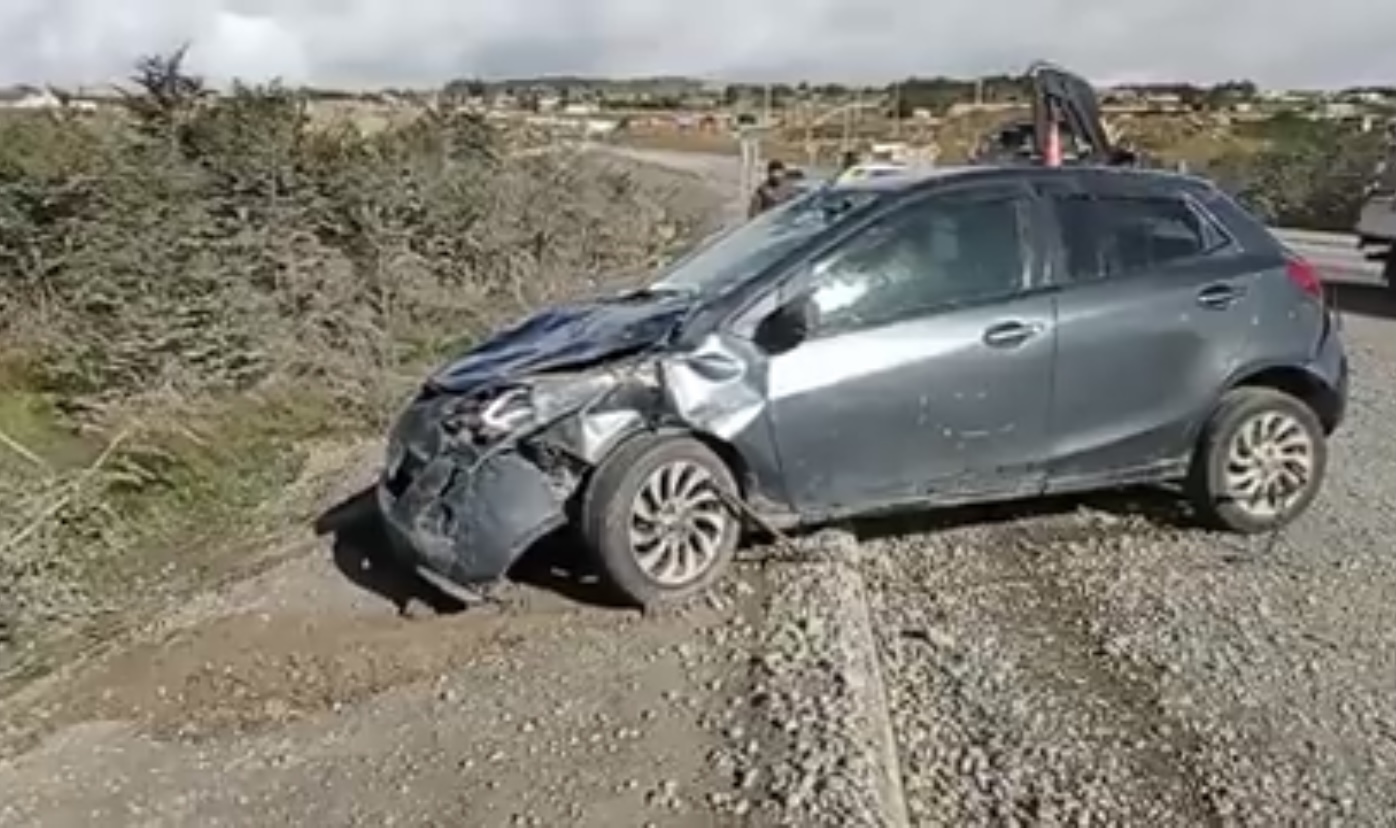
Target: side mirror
x=787, y=326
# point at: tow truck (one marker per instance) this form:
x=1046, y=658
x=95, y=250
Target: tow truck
x=1065, y=126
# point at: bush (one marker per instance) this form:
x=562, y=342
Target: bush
x=218, y=244
x=193, y=287
x=1307, y=175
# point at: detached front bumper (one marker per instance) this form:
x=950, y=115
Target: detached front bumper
x=466, y=516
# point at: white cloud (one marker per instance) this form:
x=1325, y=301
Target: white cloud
x=239, y=44
x=358, y=42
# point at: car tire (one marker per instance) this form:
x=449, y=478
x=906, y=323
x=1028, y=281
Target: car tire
x=1388, y=268
x=1257, y=433
x=620, y=516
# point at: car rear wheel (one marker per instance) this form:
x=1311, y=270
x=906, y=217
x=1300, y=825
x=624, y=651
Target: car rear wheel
x=1388, y=269
x=1260, y=462
x=657, y=515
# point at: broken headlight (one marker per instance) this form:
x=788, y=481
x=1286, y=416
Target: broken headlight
x=508, y=412
x=523, y=408
x=555, y=397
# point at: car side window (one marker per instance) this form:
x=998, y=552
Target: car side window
x=1115, y=236
x=936, y=255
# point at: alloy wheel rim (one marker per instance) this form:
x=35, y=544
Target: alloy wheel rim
x=1269, y=464
x=678, y=523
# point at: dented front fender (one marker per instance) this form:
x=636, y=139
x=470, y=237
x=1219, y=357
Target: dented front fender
x=467, y=501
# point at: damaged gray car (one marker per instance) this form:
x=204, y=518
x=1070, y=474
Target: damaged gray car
x=964, y=335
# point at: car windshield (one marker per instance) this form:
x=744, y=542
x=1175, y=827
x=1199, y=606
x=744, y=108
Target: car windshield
x=732, y=256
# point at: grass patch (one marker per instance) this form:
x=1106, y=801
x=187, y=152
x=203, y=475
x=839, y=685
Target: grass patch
x=113, y=526
x=33, y=439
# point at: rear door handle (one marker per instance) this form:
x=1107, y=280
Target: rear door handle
x=1219, y=297
x=1010, y=334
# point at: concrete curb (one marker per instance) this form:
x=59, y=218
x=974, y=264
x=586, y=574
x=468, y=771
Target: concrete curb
x=877, y=709
x=839, y=765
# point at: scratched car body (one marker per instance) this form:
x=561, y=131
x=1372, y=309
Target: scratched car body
x=962, y=335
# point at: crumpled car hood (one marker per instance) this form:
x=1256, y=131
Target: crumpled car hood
x=566, y=336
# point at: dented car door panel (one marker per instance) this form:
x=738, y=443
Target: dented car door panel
x=921, y=410
x=949, y=403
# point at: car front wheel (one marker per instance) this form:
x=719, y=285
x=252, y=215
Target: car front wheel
x=1260, y=463
x=657, y=515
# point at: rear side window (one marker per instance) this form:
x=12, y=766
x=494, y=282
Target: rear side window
x=1119, y=236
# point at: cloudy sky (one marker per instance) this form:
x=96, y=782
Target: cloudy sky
x=390, y=42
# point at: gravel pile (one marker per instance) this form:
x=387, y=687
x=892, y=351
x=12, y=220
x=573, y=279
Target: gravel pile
x=820, y=728
x=1006, y=703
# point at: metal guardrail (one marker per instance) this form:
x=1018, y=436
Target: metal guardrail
x=1317, y=238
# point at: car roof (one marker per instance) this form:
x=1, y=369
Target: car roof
x=917, y=179
x=880, y=165
x=907, y=178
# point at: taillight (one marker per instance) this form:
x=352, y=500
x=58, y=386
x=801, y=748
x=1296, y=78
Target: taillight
x=1305, y=276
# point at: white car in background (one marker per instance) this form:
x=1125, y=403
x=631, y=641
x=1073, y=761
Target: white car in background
x=872, y=169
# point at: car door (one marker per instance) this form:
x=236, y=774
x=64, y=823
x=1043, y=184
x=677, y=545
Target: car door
x=1152, y=312
x=927, y=370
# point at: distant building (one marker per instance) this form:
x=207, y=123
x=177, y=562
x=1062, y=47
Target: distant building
x=958, y=110
x=28, y=97
x=599, y=128
x=32, y=97
x=1336, y=111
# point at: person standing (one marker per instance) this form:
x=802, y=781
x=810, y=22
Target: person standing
x=772, y=191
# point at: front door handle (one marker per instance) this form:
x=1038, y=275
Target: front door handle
x=1010, y=334
x=1219, y=296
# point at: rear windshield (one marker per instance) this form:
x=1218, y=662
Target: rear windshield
x=733, y=256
